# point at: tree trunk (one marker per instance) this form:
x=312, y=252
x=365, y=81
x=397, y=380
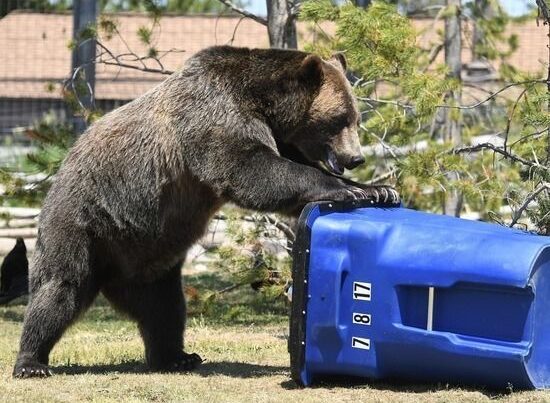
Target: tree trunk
x=546, y=228
x=482, y=11
x=281, y=24
x=453, y=132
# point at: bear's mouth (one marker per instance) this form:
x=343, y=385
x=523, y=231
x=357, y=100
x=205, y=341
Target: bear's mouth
x=331, y=162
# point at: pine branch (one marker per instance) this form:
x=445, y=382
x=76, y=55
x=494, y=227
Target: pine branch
x=242, y=11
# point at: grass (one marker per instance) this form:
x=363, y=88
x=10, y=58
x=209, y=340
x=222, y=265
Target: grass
x=243, y=339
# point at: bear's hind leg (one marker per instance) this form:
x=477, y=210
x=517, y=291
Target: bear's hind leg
x=159, y=309
x=53, y=306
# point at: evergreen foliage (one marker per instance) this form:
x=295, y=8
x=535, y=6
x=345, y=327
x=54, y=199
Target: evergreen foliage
x=402, y=88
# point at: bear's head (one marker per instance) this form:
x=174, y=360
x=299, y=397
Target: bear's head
x=328, y=133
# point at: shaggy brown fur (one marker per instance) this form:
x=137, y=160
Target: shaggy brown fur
x=139, y=187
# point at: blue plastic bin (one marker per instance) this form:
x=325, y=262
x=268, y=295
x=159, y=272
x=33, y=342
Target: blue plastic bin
x=397, y=293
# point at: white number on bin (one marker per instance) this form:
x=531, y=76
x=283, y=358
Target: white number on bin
x=361, y=290
x=359, y=342
x=361, y=318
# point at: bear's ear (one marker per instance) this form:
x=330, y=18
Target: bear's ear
x=311, y=69
x=339, y=60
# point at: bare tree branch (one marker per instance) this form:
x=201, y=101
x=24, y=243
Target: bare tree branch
x=130, y=66
x=122, y=60
x=385, y=145
x=471, y=106
x=532, y=196
x=528, y=136
x=501, y=151
x=511, y=116
x=242, y=11
x=281, y=226
x=543, y=9
x=494, y=94
x=235, y=30
x=380, y=178
x=386, y=101
x=230, y=288
x=295, y=7
x=436, y=50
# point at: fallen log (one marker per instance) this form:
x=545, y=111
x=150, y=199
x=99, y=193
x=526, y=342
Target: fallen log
x=18, y=232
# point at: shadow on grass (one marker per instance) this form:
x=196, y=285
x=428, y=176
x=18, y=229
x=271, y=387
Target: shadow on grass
x=231, y=369
x=127, y=367
x=240, y=369
x=12, y=313
x=391, y=385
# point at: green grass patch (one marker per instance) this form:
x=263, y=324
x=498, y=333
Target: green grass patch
x=243, y=337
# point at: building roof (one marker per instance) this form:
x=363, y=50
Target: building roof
x=35, y=49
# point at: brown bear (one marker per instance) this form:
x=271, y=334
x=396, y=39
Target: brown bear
x=269, y=130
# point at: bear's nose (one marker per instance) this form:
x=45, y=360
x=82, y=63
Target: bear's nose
x=356, y=161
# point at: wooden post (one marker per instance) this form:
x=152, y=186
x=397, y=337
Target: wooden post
x=544, y=12
x=482, y=11
x=84, y=15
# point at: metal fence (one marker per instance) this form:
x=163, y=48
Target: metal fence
x=36, y=56
x=21, y=70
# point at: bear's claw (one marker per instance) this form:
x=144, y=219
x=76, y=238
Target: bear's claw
x=378, y=194
x=32, y=370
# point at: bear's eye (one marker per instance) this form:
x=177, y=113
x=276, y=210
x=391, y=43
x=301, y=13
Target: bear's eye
x=338, y=122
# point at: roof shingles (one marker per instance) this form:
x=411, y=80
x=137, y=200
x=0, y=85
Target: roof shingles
x=34, y=49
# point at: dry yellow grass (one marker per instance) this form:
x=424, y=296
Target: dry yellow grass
x=100, y=360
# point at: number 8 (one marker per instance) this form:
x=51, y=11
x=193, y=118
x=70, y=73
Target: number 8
x=361, y=318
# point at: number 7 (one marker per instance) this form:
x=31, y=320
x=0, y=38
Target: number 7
x=359, y=342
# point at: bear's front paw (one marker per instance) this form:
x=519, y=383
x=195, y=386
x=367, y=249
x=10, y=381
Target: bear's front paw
x=31, y=369
x=188, y=362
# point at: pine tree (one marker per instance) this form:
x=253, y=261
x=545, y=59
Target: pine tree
x=403, y=92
